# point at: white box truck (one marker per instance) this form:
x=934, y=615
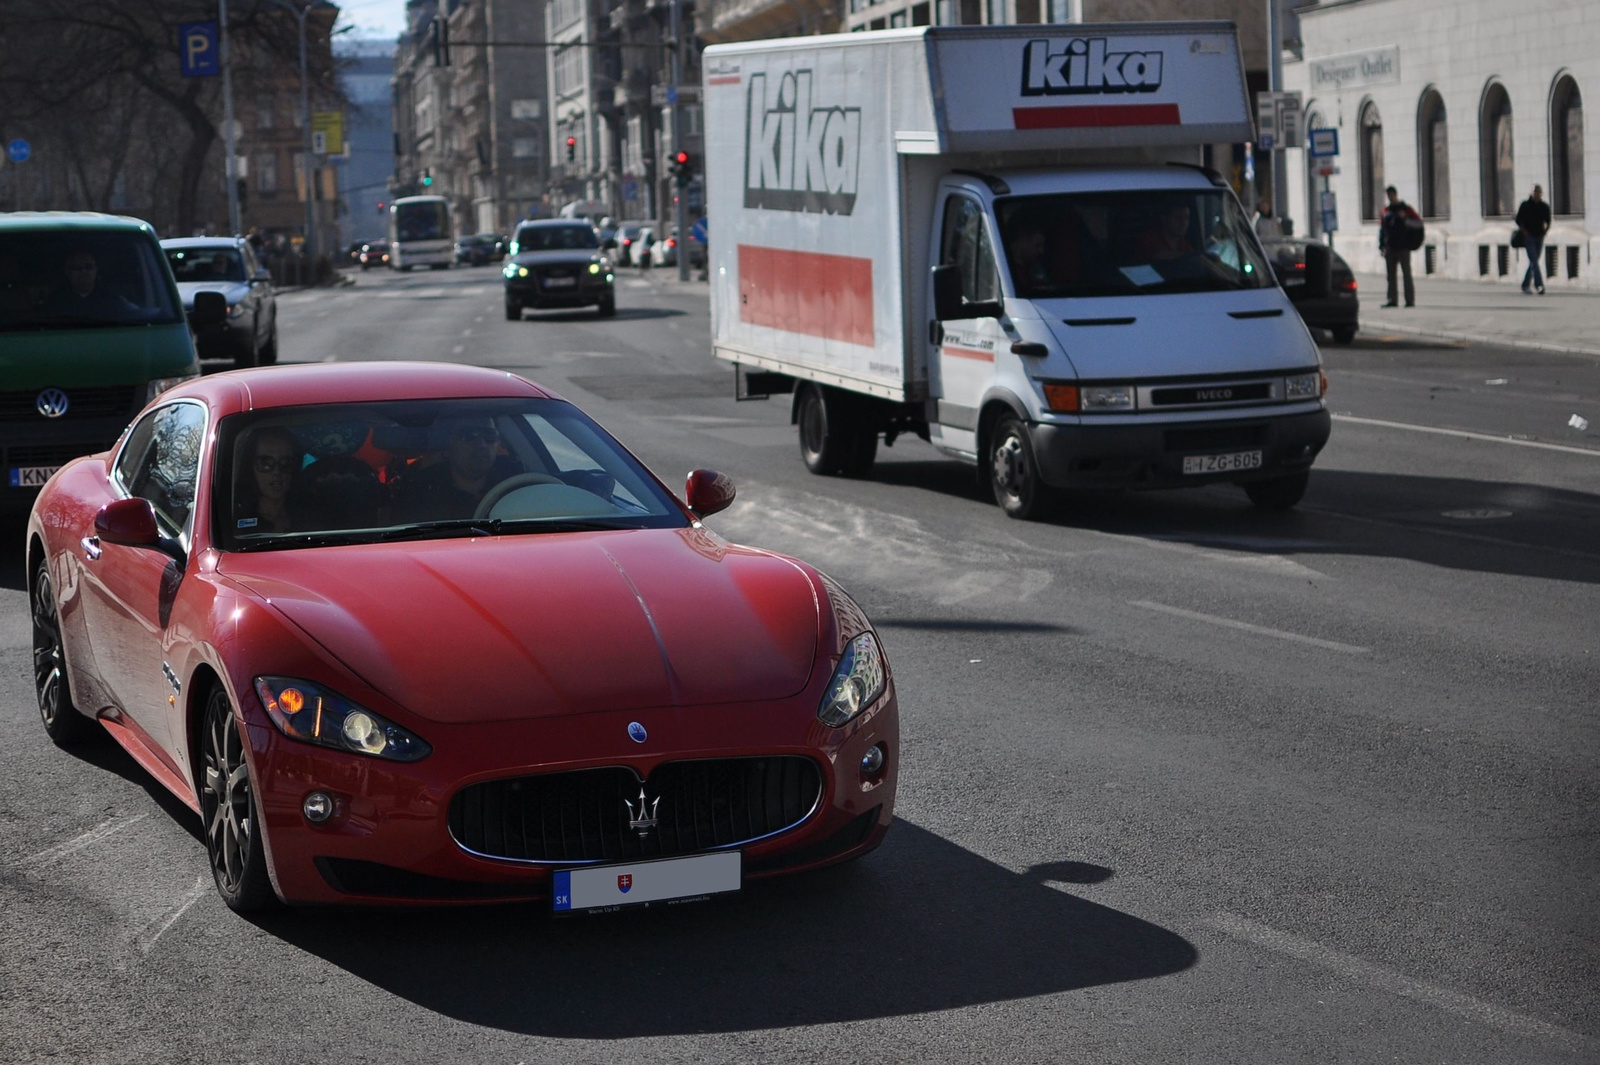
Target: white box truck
x=1003, y=239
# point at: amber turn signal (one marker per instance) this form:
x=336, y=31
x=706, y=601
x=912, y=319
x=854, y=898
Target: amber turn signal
x=1061, y=397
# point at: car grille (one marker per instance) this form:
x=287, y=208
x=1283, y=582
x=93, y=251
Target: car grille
x=17, y=406
x=48, y=454
x=583, y=816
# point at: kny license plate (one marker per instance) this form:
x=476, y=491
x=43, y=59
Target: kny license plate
x=1234, y=460
x=560, y=282
x=669, y=880
x=31, y=476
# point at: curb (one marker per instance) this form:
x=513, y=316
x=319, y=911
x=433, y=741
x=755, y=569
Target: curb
x=1371, y=324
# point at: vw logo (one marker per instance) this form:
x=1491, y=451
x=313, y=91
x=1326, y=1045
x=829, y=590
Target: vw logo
x=52, y=403
x=636, y=732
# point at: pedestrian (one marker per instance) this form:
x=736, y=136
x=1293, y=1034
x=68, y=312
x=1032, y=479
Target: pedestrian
x=1267, y=227
x=1533, y=222
x=1399, y=234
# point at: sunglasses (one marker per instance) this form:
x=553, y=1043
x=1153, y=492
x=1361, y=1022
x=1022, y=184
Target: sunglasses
x=268, y=464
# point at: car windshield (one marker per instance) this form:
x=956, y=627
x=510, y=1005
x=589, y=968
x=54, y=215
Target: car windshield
x=83, y=280
x=206, y=264
x=422, y=469
x=556, y=238
x=1129, y=243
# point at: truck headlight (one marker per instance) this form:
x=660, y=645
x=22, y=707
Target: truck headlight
x=1106, y=397
x=1302, y=386
x=314, y=714
x=857, y=681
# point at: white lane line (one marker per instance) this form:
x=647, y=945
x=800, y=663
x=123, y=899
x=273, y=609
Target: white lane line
x=458, y=349
x=192, y=896
x=466, y=332
x=1490, y=438
x=1353, y=968
x=1245, y=626
x=77, y=843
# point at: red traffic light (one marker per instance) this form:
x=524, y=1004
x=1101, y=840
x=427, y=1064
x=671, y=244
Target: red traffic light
x=682, y=158
x=572, y=142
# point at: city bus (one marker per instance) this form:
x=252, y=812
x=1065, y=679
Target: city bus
x=419, y=233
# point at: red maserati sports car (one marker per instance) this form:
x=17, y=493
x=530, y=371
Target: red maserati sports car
x=424, y=633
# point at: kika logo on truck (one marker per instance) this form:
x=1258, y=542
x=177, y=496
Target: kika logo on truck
x=1086, y=65
x=799, y=156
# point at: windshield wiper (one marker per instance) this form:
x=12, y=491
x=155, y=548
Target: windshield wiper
x=470, y=526
x=320, y=539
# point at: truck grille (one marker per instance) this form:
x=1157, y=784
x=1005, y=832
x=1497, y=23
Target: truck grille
x=22, y=405
x=49, y=454
x=583, y=816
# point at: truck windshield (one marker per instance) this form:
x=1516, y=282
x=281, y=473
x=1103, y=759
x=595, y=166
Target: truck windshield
x=1129, y=243
x=83, y=280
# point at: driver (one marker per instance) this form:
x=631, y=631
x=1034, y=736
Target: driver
x=472, y=464
x=1168, y=236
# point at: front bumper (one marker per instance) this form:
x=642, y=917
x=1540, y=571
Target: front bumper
x=529, y=292
x=1124, y=454
x=389, y=841
x=30, y=444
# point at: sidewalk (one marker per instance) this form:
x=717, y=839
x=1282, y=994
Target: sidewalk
x=1565, y=320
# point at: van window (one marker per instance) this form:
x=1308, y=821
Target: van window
x=81, y=279
x=1129, y=243
x=966, y=245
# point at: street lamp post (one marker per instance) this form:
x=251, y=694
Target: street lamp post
x=300, y=11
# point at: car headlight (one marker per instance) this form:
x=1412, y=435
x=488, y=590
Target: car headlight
x=857, y=682
x=309, y=712
x=161, y=384
x=1106, y=397
x=1302, y=386
x=594, y=268
x=235, y=309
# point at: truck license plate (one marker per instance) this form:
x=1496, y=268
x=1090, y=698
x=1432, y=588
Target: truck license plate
x=31, y=476
x=1233, y=460
x=670, y=880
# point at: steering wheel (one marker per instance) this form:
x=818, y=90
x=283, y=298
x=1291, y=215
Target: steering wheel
x=509, y=485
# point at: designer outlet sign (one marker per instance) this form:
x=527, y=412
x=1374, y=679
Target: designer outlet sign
x=1356, y=70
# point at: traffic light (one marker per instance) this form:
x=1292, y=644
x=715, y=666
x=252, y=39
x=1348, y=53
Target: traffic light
x=382, y=207
x=682, y=167
x=427, y=177
x=572, y=149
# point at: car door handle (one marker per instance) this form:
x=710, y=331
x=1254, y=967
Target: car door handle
x=91, y=547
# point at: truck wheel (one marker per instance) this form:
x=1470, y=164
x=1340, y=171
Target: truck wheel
x=1281, y=493
x=824, y=444
x=1014, y=473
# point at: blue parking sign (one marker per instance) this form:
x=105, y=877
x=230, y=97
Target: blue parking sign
x=198, y=54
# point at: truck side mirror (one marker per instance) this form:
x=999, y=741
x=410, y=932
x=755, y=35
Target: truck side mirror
x=948, y=302
x=1319, y=271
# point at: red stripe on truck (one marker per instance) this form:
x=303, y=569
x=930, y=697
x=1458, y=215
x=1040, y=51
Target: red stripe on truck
x=807, y=292
x=1095, y=115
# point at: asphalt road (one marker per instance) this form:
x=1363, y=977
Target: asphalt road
x=1181, y=782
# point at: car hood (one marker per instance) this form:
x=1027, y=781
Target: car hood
x=232, y=291
x=579, y=257
x=472, y=630
x=1179, y=334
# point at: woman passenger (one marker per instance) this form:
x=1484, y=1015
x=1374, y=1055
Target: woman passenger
x=271, y=460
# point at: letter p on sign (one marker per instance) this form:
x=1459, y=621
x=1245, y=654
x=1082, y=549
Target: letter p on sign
x=198, y=54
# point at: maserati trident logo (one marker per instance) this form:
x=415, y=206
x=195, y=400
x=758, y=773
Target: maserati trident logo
x=636, y=732
x=52, y=403
x=642, y=818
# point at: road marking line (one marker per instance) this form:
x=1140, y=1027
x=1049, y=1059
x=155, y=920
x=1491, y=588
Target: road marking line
x=1244, y=626
x=1353, y=968
x=1593, y=453
x=458, y=349
x=193, y=896
x=77, y=843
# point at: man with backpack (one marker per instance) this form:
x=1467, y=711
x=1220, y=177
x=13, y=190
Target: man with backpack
x=1399, y=234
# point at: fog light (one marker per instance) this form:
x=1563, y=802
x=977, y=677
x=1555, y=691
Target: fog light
x=872, y=762
x=318, y=807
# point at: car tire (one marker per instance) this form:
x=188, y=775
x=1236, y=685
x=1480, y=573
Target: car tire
x=1280, y=493
x=229, y=813
x=513, y=311
x=1343, y=334
x=249, y=357
x=608, y=308
x=63, y=722
x=1013, y=471
x=269, y=354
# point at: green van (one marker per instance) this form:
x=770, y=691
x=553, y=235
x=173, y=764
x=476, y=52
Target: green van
x=91, y=329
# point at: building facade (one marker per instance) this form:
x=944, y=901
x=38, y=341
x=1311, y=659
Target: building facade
x=1463, y=106
x=366, y=71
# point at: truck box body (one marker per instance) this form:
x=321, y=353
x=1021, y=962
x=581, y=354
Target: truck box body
x=841, y=170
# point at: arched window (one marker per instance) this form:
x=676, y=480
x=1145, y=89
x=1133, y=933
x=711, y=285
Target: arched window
x=1370, y=149
x=1497, y=171
x=1433, y=156
x=1566, y=148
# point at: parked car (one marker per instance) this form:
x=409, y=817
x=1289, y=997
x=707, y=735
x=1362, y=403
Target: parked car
x=1339, y=314
x=374, y=253
x=228, y=265
x=665, y=251
x=627, y=234
x=558, y=263
x=638, y=254
x=91, y=329
x=479, y=249
x=378, y=689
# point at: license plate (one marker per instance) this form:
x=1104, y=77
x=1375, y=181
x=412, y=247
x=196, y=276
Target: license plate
x=560, y=282
x=31, y=476
x=1234, y=460
x=669, y=880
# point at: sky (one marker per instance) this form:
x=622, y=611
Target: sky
x=381, y=19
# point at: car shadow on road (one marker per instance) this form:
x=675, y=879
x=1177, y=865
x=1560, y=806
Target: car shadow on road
x=1503, y=527
x=920, y=925
x=624, y=314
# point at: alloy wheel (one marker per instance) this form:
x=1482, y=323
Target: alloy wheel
x=225, y=801
x=48, y=662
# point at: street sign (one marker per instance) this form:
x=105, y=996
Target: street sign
x=1326, y=169
x=665, y=95
x=19, y=150
x=1330, y=212
x=1289, y=120
x=199, y=54
x=1266, y=121
x=329, y=126
x=319, y=142
x=1324, y=143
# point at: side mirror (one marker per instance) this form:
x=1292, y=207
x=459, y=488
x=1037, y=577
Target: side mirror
x=129, y=522
x=948, y=302
x=708, y=491
x=210, y=308
x=1319, y=271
